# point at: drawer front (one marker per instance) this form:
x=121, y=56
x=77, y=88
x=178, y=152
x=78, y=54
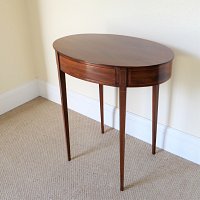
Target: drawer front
x=149, y=76
x=93, y=73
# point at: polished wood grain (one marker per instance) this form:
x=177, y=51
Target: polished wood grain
x=93, y=73
x=114, y=60
x=148, y=76
x=113, y=50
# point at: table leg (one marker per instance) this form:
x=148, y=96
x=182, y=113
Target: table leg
x=63, y=93
x=122, y=107
x=155, y=97
x=101, y=107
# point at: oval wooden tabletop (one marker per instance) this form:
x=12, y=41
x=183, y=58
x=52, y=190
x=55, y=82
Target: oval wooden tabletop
x=113, y=50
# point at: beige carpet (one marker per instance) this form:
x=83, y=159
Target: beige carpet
x=33, y=161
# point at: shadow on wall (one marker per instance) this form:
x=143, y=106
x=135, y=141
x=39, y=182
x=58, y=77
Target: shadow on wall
x=183, y=92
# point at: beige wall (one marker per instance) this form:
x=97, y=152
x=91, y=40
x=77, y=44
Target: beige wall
x=16, y=62
x=173, y=23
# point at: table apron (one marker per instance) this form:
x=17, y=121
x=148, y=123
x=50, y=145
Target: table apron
x=150, y=76
x=97, y=74
x=105, y=75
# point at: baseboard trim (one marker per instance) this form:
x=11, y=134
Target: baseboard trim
x=18, y=96
x=169, y=139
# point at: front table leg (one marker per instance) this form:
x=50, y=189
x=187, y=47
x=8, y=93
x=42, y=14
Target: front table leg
x=63, y=93
x=155, y=97
x=122, y=107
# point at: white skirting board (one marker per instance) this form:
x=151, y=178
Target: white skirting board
x=18, y=96
x=169, y=139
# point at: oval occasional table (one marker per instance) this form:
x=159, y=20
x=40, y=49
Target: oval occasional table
x=118, y=61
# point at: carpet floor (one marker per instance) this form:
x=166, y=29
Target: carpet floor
x=34, y=166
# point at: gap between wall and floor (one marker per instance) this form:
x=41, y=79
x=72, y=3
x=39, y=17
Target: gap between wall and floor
x=169, y=139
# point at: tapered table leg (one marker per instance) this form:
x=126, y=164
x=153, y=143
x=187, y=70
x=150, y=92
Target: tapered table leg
x=155, y=96
x=63, y=93
x=101, y=107
x=122, y=107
